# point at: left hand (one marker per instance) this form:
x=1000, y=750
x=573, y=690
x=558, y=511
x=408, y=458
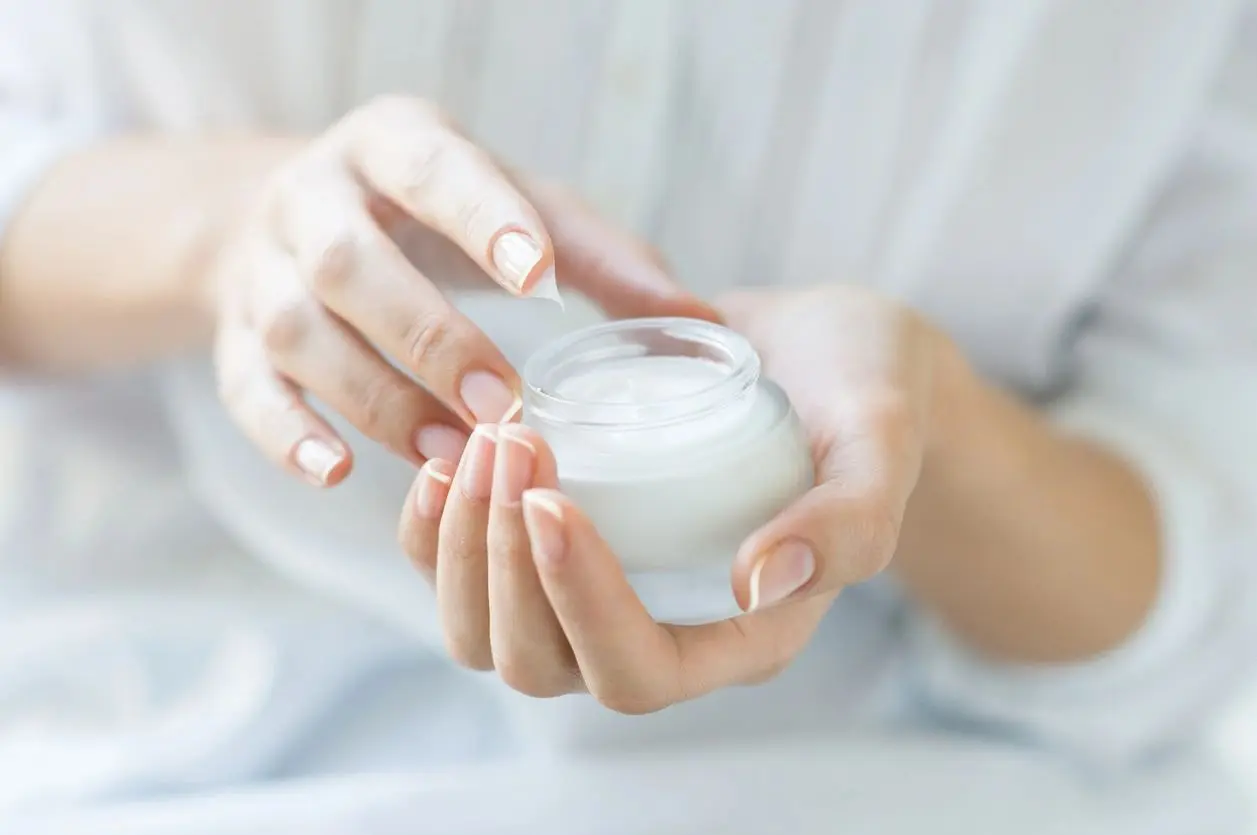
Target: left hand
x=528, y=588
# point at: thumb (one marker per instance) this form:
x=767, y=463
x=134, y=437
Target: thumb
x=830, y=538
x=615, y=270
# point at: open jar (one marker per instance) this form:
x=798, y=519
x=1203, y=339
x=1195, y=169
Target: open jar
x=669, y=439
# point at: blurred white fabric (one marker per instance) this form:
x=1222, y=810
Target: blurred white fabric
x=855, y=789
x=178, y=617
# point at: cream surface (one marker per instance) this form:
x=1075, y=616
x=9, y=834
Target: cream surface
x=641, y=380
x=547, y=287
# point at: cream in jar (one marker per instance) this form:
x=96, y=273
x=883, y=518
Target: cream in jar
x=667, y=436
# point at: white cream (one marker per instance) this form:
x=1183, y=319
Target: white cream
x=547, y=287
x=668, y=438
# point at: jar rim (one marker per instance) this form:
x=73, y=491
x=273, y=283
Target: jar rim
x=729, y=348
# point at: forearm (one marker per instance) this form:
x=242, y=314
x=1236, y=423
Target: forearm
x=1030, y=545
x=106, y=263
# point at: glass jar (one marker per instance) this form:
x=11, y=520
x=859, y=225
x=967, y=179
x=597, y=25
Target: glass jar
x=669, y=439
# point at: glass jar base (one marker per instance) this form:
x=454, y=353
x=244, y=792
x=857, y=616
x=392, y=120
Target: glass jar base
x=687, y=598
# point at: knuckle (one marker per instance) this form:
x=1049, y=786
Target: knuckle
x=771, y=662
x=377, y=406
x=387, y=105
x=229, y=380
x=427, y=339
x=429, y=111
x=287, y=326
x=425, y=164
x=422, y=558
x=469, y=653
x=231, y=389
x=767, y=673
x=656, y=257
x=394, y=107
x=333, y=264
x=477, y=220
x=524, y=677
x=422, y=563
x=877, y=537
x=627, y=701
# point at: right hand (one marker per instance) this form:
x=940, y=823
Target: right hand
x=313, y=294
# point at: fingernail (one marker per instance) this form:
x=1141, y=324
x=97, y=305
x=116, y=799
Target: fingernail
x=476, y=478
x=434, y=488
x=780, y=573
x=543, y=517
x=317, y=459
x=488, y=398
x=440, y=441
x=516, y=255
x=515, y=466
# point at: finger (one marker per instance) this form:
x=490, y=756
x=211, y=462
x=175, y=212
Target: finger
x=843, y=531
x=420, y=522
x=530, y=651
x=612, y=268
x=359, y=273
x=462, y=579
x=316, y=350
x=410, y=153
x=271, y=413
x=627, y=661
x=825, y=541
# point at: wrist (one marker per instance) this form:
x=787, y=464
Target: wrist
x=954, y=393
x=977, y=436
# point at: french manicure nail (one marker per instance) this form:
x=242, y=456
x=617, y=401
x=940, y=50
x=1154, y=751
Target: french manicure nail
x=440, y=441
x=476, y=479
x=434, y=489
x=488, y=398
x=516, y=255
x=780, y=573
x=543, y=518
x=317, y=459
x=516, y=463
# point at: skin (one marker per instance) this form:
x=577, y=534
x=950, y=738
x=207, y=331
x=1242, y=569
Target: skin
x=1032, y=546
x=285, y=257
x=284, y=254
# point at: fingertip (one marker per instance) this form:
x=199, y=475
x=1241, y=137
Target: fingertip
x=440, y=442
x=341, y=471
x=547, y=471
x=545, y=519
x=432, y=491
x=521, y=258
x=324, y=462
x=778, y=573
x=522, y=434
x=696, y=308
x=749, y=560
x=440, y=469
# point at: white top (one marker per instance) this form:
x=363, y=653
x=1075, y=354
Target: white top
x=1068, y=186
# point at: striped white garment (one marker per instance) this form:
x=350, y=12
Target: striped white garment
x=1068, y=186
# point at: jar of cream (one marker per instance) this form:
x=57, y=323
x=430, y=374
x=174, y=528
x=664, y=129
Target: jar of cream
x=669, y=439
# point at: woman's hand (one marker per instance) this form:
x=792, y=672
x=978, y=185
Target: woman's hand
x=866, y=377
x=527, y=587
x=312, y=293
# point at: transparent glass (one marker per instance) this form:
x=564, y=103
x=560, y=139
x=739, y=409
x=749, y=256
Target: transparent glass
x=667, y=436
